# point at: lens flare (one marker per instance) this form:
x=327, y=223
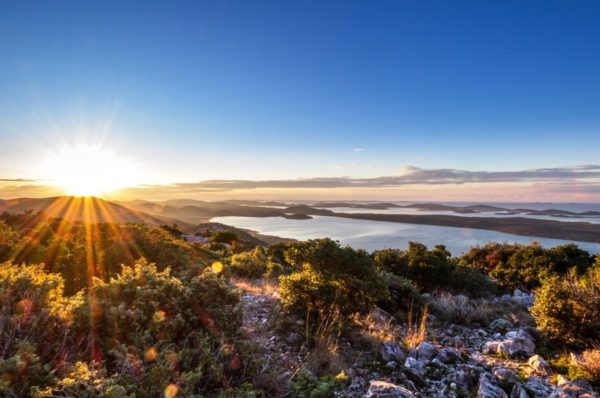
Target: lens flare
x=89, y=170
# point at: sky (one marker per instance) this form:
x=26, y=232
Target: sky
x=428, y=100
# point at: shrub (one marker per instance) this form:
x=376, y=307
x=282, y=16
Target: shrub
x=460, y=309
x=568, y=309
x=526, y=266
x=329, y=279
x=153, y=329
x=432, y=270
x=403, y=295
x=250, y=264
x=589, y=364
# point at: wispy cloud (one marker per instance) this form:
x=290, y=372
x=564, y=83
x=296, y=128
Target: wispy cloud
x=18, y=180
x=408, y=175
x=358, y=149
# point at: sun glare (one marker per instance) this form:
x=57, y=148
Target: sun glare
x=86, y=170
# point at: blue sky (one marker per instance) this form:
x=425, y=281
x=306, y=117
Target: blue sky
x=279, y=90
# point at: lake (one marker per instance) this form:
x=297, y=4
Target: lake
x=373, y=235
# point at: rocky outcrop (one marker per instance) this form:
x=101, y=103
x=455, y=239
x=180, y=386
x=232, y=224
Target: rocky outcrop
x=539, y=366
x=383, y=389
x=426, y=351
x=391, y=351
x=516, y=343
x=489, y=388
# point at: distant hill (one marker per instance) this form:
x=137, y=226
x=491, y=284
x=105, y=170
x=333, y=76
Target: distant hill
x=88, y=209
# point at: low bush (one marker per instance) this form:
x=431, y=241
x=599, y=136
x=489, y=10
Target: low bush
x=567, y=309
x=403, y=296
x=250, y=264
x=526, y=266
x=329, y=280
x=433, y=270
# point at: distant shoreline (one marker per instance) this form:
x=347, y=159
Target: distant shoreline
x=576, y=231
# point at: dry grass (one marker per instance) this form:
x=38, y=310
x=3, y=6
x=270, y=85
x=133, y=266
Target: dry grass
x=373, y=333
x=416, y=332
x=589, y=363
x=268, y=286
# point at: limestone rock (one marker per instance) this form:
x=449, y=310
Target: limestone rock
x=488, y=388
x=426, y=351
x=382, y=389
x=539, y=365
x=390, y=351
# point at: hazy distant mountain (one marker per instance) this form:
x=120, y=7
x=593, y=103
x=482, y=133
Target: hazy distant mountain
x=89, y=209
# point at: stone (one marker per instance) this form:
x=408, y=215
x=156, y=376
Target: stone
x=426, y=351
x=448, y=355
x=391, y=351
x=517, y=343
x=506, y=298
x=577, y=387
x=383, y=389
x=465, y=376
x=539, y=365
x=488, y=388
x=537, y=389
x=500, y=325
x=506, y=375
x=391, y=365
x=518, y=392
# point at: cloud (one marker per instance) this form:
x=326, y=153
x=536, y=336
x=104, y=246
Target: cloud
x=409, y=175
x=358, y=149
x=18, y=180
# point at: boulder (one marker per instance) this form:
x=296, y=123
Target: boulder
x=577, y=388
x=465, y=376
x=488, y=387
x=523, y=298
x=383, y=389
x=448, y=355
x=518, y=392
x=426, y=351
x=517, y=343
x=537, y=389
x=506, y=375
x=391, y=351
x=539, y=366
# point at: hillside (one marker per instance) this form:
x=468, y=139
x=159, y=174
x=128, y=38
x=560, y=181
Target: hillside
x=90, y=209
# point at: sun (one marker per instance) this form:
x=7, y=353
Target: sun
x=89, y=170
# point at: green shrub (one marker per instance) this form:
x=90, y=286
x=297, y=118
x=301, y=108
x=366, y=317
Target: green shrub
x=329, y=280
x=526, y=266
x=250, y=264
x=403, y=295
x=433, y=270
x=307, y=385
x=568, y=309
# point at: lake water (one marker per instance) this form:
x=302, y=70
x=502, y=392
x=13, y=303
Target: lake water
x=373, y=235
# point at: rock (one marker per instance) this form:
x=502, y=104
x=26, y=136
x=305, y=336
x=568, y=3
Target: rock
x=577, y=388
x=539, y=365
x=537, y=389
x=381, y=316
x=523, y=298
x=500, y=325
x=383, y=389
x=517, y=343
x=488, y=388
x=518, y=392
x=506, y=299
x=466, y=376
x=413, y=353
x=413, y=363
x=391, y=351
x=447, y=355
x=426, y=351
x=506, y=375
x=391, y=365
x=491, y=347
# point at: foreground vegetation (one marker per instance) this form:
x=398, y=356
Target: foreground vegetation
x=116, y=310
